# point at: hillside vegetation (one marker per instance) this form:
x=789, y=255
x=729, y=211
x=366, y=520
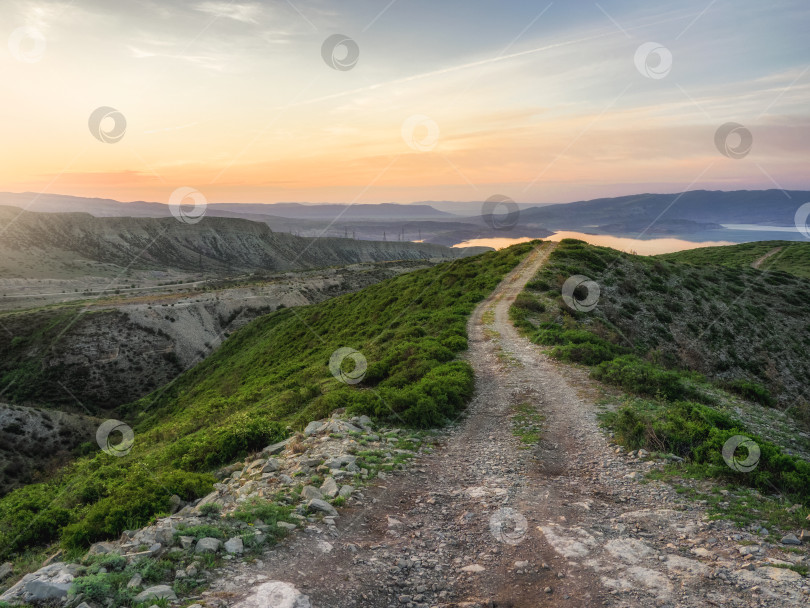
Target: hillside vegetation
x=783, y=256
x=269, y=377
x=686, y=342
x=97, y=354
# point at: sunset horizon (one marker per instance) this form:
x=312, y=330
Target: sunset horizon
x=266, y=102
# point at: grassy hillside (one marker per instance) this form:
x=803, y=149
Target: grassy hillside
x=270, y=375
x=687, y=342
x=785, y=256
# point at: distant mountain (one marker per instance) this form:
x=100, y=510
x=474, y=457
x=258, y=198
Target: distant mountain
x=657, y=228
x=764, y=207
x=46, y=244
x=335, y=211
x=467, y=208
x=448, y=223
x=102, y=207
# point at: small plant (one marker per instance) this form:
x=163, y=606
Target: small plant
x=296, y=445
x=210, y=509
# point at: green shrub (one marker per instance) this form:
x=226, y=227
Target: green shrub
x=643, y=378
x=101, y=588
x=131, y=501
x=698, y=433
x=202, y=531
x=587, y=353
x=751, y=390
x=529, y=303
x=210, y=508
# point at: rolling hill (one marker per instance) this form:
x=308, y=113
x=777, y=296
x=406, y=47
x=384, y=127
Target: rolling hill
x=783, y=256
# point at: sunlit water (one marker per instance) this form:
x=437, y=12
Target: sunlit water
x=630, y=245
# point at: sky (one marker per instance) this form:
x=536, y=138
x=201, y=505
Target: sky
x=255, y=101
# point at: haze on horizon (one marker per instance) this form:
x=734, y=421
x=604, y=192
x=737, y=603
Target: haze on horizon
x=542, y=102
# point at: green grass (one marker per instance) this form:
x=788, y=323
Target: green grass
x=681, y=340
x=744, y=506
x=743, y=329
x=527, y=424
x=268, y=376
x=794, y=258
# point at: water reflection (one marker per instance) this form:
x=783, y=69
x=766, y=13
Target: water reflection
x=630, y=245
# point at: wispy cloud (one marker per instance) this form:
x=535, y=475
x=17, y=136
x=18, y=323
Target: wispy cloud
x=244, y=13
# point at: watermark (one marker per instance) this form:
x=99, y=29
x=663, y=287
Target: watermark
x=340, y=52
x=580, y=293
x=120, y=448
x=420, y=132
x=730, y=448
x=733, y=140
x=500, y=212
x=800, y=219
x=653, y=60
x=508, y=526
x=336, y=365
x=107, y=125
x=188, y=213
x=27, y=44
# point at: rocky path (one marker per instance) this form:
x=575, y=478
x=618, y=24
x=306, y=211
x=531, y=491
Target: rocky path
x=494, y=517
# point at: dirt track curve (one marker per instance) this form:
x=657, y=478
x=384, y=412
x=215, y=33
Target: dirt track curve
x=486, y=520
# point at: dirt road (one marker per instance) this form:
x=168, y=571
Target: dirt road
x=494, y=517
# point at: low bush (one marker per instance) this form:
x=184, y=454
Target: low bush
x=529, y=303
x=643, y=378
x=751, y=390
x=698, y=433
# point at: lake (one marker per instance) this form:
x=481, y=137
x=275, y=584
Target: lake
x=630, y=245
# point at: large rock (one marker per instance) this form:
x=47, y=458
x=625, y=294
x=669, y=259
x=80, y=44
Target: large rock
x=43, y=591
x=329, y=488
x=213, y=497
x=158, y=592
x=341, y=426
x=314, y=427
x=235, y=545
x=49, y=583
x=276, y=448
x=311, y=492
x=271, y=466
x=322, y=506
x=175, y=504
x=275, y=594
x=207, y=545
x=5, y=571
x=102, y=548
x=340, y=461
x=365, y=422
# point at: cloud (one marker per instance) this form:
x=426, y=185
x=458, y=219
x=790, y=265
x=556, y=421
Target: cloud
x=244, y=13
